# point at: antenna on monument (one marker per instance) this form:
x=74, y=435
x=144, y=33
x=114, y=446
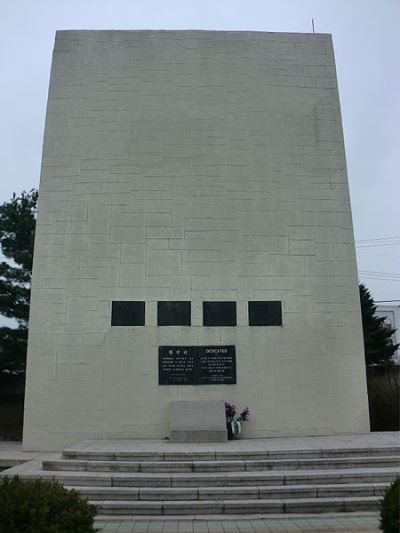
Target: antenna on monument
x=313, y=28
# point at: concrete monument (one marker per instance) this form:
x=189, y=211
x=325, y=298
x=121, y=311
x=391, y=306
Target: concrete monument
x=194, y=238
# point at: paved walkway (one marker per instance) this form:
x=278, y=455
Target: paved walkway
x=352, y=523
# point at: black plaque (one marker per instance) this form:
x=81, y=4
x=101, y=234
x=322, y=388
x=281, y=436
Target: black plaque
x=173, y=313
x=217, y=365
x=176, y=365
x=196, y=365
x=265, y=313
x=127, y=313
x=219, y=313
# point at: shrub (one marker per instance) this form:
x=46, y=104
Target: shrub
x=390, y=508
x=41, y=506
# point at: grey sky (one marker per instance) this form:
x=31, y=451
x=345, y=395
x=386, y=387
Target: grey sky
x=366, y=40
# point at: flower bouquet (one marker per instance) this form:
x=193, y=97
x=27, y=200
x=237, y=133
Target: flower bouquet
x=234, y=419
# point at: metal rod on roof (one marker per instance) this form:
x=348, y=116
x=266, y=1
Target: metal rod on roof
x=313, y=28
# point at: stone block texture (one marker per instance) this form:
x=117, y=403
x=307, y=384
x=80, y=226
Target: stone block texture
x=193, y=166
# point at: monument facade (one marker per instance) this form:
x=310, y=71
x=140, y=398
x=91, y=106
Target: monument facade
x=194, y=238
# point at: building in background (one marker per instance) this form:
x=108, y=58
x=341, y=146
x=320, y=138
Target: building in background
x=391, y=313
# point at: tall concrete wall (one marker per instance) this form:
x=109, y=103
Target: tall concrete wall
x=198, y=166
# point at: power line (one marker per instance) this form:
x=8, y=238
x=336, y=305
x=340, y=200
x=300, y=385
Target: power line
x=380, y=279
x=382, y=301
x=380, y=276
x=375, y=245
x=379, y=239
x=374, y=272
x=377, y=253
x=395, y=278
x=371, y=276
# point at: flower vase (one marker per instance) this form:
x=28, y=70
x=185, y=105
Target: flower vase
x=236, y=429
x=229, y=430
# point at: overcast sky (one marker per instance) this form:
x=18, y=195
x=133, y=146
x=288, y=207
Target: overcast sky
x=366, y=35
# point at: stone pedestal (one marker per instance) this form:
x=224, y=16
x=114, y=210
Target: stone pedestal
x=197, y=421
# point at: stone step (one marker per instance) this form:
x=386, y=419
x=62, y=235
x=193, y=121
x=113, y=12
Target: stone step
x=184, y=507
x=220, y=466
x=301, y=477
x=232, y=455
x=231, y=493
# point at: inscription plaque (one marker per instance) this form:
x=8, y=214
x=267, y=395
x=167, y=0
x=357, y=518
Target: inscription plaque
x=217, y=365
x=196, y=365
x=176, y=365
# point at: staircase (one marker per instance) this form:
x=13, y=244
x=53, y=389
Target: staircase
x=226, y=482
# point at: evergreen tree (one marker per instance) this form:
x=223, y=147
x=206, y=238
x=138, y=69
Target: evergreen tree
x=17, y=232
x=378, y=345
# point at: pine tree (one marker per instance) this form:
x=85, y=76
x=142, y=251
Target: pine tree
x=378, y=344
x=17, y=232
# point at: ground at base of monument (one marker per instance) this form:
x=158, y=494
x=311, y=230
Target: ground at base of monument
x=332, y=523
x=20, y=461
x=376, y=439
x=379, y=439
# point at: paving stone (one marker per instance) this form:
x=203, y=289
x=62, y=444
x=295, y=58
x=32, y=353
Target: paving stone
x=231, y=493
x=168, y=494
x=193, y=508
x=249, y=506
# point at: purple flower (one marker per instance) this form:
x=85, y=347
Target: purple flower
x=230, y=410
x=232, y=416
x=245, y=415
